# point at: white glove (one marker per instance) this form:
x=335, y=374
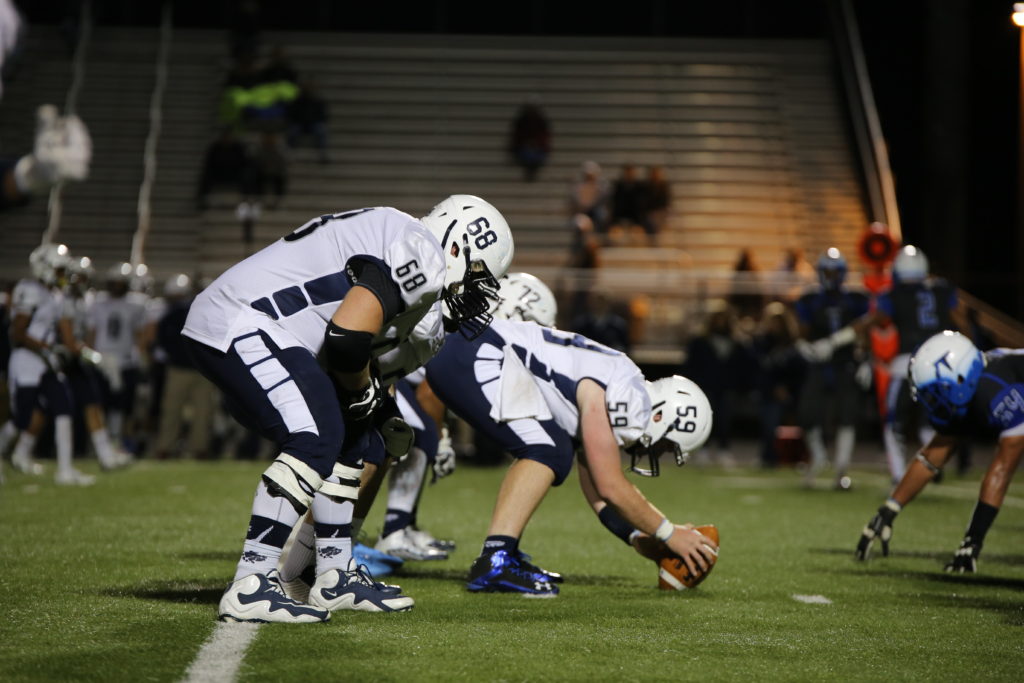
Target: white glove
x=818, y=351
x=864, y=375
x=444, y=463
x=62, y=151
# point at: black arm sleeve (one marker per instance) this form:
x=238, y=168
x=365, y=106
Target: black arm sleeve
x=374, y=275
x=615, y=523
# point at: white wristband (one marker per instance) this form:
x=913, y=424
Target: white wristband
x=664, y=530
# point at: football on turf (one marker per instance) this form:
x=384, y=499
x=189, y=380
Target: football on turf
x=673, y=573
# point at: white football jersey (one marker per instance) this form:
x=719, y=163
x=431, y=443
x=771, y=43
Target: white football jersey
x=45, y=308
x=412, y=351
x=116, y=323
x=291, y=288
x=558, y=362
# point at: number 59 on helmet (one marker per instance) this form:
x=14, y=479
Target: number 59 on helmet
x=680, y=423
x=944, y=374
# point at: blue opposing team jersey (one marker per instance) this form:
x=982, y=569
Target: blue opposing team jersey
x=997, y=408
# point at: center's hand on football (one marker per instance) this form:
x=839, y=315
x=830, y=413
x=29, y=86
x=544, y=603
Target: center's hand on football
x=690, y=545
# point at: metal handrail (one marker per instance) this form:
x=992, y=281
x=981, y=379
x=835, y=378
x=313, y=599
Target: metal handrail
x=152, y=139
x=55, y=204
x=881, y=187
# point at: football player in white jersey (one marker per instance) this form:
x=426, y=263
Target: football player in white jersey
x=41, y=336
x=544, y=394
x=299, y=337
x=115, y=325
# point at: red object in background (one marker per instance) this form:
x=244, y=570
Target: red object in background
x=885, y=344
x=877, y=249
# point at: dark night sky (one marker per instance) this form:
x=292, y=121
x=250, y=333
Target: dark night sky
x=945, y=74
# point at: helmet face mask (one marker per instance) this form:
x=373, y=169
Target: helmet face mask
x=653, y=452
x=477, y=246
x=944, y=374
x=50, y=263
x=831, y=269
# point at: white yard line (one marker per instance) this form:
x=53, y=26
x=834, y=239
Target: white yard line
x=812, y=599
x=222, y=653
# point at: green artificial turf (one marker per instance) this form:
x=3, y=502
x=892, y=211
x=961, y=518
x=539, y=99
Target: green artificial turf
x=120, y=582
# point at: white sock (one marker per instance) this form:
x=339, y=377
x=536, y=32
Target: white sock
x=273, y=518
x=846, y=437
x=406, y=479
x=816, y=445
x=301, y=553
x=332, y=528
x=895, y=452
x=101, y=444
x=7, y=435
x=23, y=449
x=115, y=422
x=63, y=439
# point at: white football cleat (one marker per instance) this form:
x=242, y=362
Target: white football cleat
x=26, y=465
x=120, y=458
x=403, y=544
x=423, y=537
x=296, y=589
x=72, y=477
x=260, y=598
x=356, y=590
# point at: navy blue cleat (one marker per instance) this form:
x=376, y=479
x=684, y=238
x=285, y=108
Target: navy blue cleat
x=260, y=598
x=527, y=563
x=356, y=589
x=502, y=572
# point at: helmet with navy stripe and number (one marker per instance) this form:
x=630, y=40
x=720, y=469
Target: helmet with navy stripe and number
x=477, y=246
x=680, y=423
x=944, y=374
x=525, y=297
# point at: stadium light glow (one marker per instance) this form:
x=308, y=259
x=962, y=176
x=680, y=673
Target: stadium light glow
x=1018, y=14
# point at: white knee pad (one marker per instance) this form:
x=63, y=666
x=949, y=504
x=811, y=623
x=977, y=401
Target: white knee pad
x=343, y=482
x=295, y=480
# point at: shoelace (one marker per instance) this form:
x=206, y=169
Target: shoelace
x=364, y=577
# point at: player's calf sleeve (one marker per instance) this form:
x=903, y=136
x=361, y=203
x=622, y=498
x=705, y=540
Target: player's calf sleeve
x=981, y=520
x=404, y=486
x=300, y=555
x=816, y=445
x=895, y=451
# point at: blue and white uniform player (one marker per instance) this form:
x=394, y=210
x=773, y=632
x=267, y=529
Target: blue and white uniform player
x=967, y=394
x=290, y=335
x=545, y=395
x=42, y=337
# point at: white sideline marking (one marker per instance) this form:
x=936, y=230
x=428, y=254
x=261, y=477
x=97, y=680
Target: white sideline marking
x=222, y=653
x=812, y=599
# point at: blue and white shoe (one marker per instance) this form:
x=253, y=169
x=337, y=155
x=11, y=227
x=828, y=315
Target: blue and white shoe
x=373, y=558
x=356, y=589
x=260, y=598
x=527, y=563
x=502, y=572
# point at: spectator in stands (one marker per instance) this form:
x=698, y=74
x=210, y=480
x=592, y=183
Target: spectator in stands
x=268, y=172
x=747, y=296
x=600, y=322
x=629, y=199
x=658, y=195
x=718, y=362
x=589, y=195
x=792, y=276
x=278, y=68
x=185, y=390
x=780, y=369
x=226, y=163
x=307, y=115
x=530, y=138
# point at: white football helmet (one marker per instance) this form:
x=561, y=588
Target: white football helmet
x=120, y=272
x=910, y=265
x=48, y=261
x=178, y=285
x=477, y=246
x=525, y=297
x=680, y=423
x=81, y=271
x=944, y=374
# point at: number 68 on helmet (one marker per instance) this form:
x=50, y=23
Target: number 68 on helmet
x=680, y=423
